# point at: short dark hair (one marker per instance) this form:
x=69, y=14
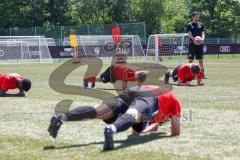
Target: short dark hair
x=195, y=69
x=26, y=84
x=142, y=76
x=195, y=13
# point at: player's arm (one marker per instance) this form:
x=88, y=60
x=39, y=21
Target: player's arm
x=203, y=35
x=190, y=35
x=200, y=79
x=5, y=94
x=181, y=83
x=175, y=125
x=151, y=128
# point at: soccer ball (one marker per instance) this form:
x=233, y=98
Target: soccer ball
x=197, y=40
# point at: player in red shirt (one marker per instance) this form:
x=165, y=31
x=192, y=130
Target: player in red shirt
x=11, y=81
x=116, y=72
x=116, y=32
x=140, y=107
x=185, y=74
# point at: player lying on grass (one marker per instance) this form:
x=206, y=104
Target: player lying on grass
x=185, y=74
x=11, y=81
x=142, y=109
x=116, y=72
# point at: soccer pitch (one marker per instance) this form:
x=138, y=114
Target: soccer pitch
x=210, y=125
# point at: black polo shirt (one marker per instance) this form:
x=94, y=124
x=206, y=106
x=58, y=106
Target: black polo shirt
x=196, y=28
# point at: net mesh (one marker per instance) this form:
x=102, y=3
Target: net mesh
x=168, y=48
x=104, y=46
x=24, y=49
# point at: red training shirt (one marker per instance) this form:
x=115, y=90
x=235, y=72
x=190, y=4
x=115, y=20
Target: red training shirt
x=124, y=72
x=168, y=105
x=185, y=75
x=9, y=81
x=116, y=32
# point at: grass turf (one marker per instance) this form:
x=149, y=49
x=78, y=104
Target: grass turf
x=210, y=121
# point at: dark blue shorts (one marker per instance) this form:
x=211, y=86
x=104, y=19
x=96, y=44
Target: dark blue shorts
x=107, y=77
x=148, y=108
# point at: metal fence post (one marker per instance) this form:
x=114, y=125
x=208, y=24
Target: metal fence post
x=145, y=33
x=61, y=34
x=88, y=29
x=35, y=31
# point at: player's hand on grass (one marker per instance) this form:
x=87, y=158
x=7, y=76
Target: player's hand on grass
x=200, y=83
x=21, y=94
x=151, y=128
x=180, y=83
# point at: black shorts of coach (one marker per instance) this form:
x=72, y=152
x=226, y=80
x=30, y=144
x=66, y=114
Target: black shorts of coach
x=195, y=51
x=107, y=76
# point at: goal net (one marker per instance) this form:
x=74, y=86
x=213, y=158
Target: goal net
x=22, y=49
x=103, y=46
x=168, y=49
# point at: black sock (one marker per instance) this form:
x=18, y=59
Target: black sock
x=80, y=113
x=124, y=122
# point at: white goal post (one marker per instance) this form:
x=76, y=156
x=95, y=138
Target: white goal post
x=23, y=49
x=168, y=47
x=103, y=46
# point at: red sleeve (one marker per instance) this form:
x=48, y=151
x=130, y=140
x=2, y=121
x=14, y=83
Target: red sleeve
x=176, y=108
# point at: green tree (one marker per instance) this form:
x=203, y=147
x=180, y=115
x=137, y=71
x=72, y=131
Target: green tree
x=175, y=17
x=150, y=12
x=217, y=15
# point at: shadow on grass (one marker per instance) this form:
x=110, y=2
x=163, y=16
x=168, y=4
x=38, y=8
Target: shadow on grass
x=130, y=141
x=191, y=85
x=109, y=89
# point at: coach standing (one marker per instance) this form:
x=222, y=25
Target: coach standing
x=195, y=30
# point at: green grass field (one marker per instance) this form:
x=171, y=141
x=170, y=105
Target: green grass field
x=210, y=123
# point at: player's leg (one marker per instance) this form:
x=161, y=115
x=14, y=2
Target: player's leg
x=192, y=52
x=105, y=77
x=77, y=114
x=200, y=57
x=107, y=111
x=137, y=116
x=121, y=124
x=172, y=74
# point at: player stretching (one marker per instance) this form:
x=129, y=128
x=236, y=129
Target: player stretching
x=13, y=81
x=196, y=34
x=185, y=74
x=133, y=108
x=116, y=72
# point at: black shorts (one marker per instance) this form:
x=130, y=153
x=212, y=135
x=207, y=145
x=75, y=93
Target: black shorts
x=148, y=107
x=106, y=76
x=118, y=107
x=174, y=74
x=195, y=51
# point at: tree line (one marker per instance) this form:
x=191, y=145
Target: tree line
x=220, y=17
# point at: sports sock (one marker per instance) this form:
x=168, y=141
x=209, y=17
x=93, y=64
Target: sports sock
x=80, y=113
x=123, y=123
x=90, y=79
